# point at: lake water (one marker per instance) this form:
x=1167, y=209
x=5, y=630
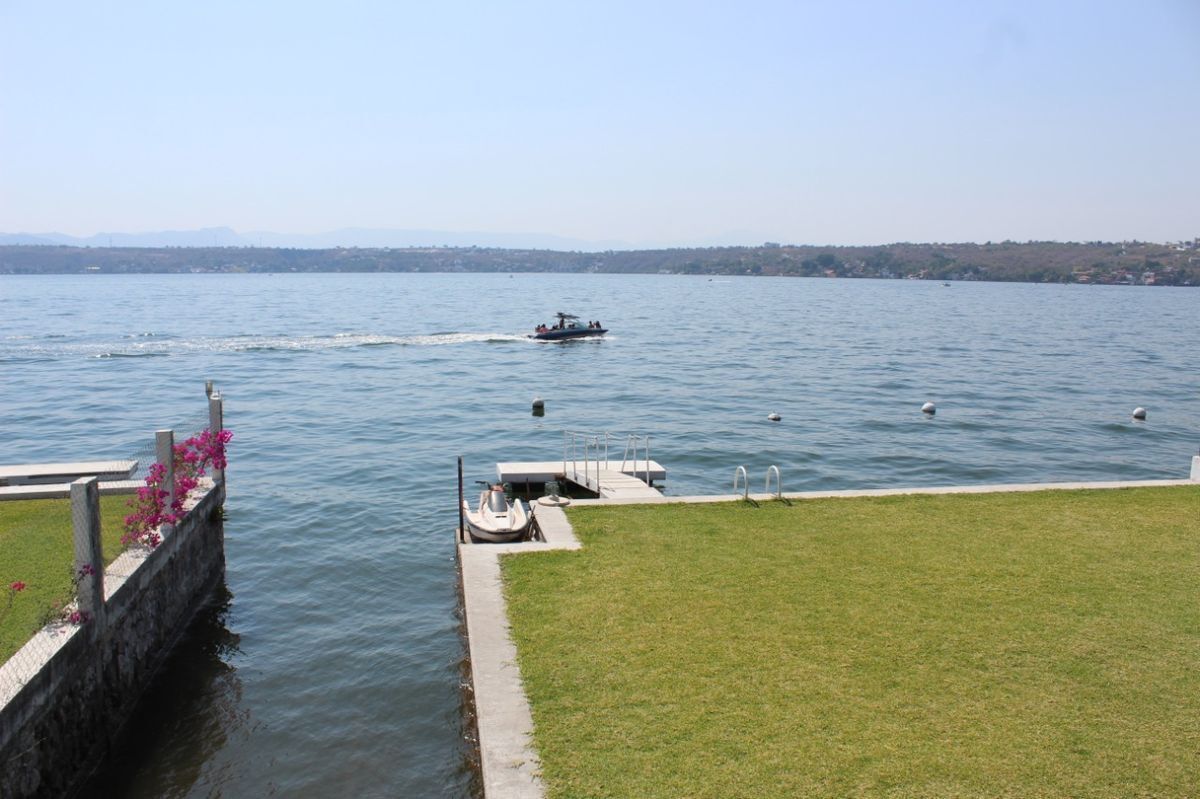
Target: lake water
x=332, y=667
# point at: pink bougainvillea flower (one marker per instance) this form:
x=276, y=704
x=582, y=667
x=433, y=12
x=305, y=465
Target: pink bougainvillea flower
x=17, y=586
x=191, y=460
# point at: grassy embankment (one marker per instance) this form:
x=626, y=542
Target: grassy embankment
x=37, y=548
x=1032, y=644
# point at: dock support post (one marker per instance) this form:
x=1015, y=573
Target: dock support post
x=89, y=558
x=164, y=447
x=462, y=533
x=216, y=423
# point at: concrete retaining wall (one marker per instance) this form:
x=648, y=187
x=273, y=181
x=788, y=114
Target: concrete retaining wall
x=79, y=683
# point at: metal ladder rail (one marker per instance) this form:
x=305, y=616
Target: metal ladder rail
x=745, y=482
x=778, y=482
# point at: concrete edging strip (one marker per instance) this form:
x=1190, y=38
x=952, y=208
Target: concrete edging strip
x=509, y=763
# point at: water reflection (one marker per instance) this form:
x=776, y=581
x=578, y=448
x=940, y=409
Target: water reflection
x=192, y=710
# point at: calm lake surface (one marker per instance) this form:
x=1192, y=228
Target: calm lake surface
x=333, y=664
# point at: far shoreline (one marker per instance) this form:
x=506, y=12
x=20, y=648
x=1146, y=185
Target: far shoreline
x=1086, y=263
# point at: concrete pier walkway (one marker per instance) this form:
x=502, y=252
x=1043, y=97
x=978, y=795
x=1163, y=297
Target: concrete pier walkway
x=507, y=758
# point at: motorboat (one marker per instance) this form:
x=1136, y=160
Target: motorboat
x=568, y=326
x=495, y=519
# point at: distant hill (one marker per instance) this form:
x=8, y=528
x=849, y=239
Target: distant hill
x=351, y=237
x=205, y=237
x=346, y=237
x=1038, y=262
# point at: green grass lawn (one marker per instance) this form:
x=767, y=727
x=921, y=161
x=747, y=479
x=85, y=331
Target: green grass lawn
x=37, y=548
x=1020, y=645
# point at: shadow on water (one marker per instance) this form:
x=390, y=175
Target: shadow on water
x=471, y=760
x=194, y=702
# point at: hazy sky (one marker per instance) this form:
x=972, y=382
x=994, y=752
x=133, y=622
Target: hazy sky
x=650, y=123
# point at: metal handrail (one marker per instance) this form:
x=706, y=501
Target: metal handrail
x=595, y=448
x=590, y=442
x=633, y=441
x=778, y=482
x=745, y=482
x=647, y=461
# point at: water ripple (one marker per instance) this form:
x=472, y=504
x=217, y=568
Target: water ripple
x=352, y=395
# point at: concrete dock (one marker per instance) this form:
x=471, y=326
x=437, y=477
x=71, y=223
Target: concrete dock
x=52, y=473
x=608, y=479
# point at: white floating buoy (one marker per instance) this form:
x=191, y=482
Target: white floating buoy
x=773, y=417
x=539, y=407
x=1139, y=413
x=929, y=408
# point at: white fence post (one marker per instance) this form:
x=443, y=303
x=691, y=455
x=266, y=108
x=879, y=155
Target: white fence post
x=89, y=559
x=216, y=423
x=164, y=446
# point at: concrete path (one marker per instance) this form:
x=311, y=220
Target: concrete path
x=508, y=761
x=661, y=499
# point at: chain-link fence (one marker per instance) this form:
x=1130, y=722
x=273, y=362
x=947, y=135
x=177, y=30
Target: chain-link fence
x=143, y=450
x=49, y=609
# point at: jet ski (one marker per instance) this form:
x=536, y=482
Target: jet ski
x=495, y=519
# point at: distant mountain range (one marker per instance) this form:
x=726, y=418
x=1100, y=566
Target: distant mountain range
x=346, y=237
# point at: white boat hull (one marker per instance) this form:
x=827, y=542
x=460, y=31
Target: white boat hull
x=496, y=520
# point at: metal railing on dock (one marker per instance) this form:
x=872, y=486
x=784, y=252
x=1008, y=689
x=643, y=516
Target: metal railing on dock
x=592, y=447
x=632, y=443
x=586, y=463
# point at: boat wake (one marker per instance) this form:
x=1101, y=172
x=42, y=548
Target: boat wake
x=148, y=345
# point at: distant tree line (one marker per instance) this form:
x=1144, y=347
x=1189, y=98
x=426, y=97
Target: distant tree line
x=1033, y=261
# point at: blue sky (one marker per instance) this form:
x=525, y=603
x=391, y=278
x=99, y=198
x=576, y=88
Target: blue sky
x=645, y=123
